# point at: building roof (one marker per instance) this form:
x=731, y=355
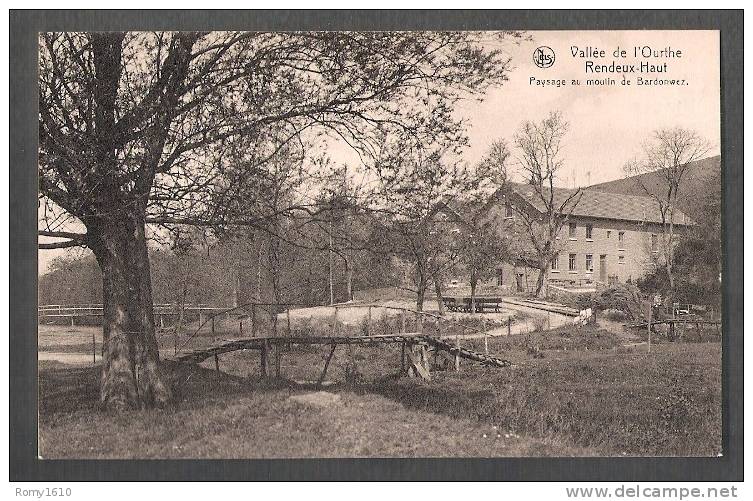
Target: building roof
x=701, y=181
x=603, y=205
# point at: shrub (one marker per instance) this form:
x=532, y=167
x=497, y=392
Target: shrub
x=540, y=324
x=625, y=298
x=614, y=315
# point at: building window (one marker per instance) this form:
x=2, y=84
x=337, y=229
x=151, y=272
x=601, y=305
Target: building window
x=621, y=239
x=500, y=277
x=589, y=262
x=508, y=209
x=555, y=262
x=621, y=260
x=654, y=242
x=589, y=231
x=571, y=263
x=572, y=230
x=609, y=233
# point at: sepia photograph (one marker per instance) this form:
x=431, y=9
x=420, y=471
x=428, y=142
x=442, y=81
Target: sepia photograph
x=372, y=243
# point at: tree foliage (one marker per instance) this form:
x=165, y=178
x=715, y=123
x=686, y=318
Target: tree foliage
x=185, y=129
x=667, y=156
x=539, y=146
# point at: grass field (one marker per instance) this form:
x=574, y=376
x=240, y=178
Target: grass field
x=221, y=416
x=571, y=392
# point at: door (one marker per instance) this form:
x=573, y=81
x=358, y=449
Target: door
x=603, y=268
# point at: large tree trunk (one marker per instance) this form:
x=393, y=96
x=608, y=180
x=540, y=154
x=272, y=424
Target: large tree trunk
x=131, y=375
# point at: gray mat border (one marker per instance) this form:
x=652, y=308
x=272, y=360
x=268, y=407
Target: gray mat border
x=24, y=25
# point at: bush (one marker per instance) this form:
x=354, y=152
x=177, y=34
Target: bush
x=624, y=298
x=540, y=324
x=614, y=315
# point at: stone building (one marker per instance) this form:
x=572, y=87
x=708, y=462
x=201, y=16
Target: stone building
x=607, y=237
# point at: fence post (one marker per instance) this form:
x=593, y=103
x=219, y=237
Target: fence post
x=334, y=322
x=263, y=359
x=649, y=328
x=486, y=341
x=212, y=325
x=278, y=359
x=457, y=345
x=402, y=344
x=253, y=320
x=368, y=323
x=402, y=358
x=287, y=317
x=94, y=349
x=509, y=324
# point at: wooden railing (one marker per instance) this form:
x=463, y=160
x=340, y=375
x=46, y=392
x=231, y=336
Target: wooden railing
x=248, y=312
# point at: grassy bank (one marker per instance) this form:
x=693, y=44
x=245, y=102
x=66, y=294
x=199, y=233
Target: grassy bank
x=615, y=402
x=222, y=416
x=598, y=402
x=572, y=391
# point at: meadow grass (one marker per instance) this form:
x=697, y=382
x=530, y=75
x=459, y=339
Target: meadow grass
x=582, y=394
x=221, y=416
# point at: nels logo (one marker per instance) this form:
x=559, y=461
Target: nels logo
x=543, y=56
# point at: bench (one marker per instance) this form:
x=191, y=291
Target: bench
x=464, y=304
x=485, y=303
x=450, y=303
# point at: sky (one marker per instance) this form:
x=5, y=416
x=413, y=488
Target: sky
x=607, y=123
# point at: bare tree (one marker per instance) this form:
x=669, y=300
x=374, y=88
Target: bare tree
x=661, y=173
x=483, y=238
x=409, y=210
x=175, y=128
x=539, y=146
